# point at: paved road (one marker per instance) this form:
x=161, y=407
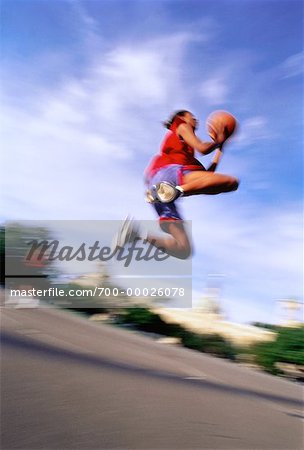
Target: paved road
x=68, y=383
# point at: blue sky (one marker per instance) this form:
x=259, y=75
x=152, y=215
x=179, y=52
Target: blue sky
x=85, y=86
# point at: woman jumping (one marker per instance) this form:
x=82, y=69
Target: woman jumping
x=174, y=173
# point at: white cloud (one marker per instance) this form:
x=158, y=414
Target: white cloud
x=215, y=90
x=292, y=66
x=130, y=78
x=251, y=130
x=70, y=144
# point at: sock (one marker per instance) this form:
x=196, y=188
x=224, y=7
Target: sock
x=180, y=189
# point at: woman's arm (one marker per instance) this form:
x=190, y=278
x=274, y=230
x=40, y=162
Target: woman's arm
x=217, y=157
x=188, y=135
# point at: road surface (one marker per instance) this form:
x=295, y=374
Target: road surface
x=68, y=383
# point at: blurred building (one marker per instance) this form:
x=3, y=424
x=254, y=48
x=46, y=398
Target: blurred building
x=100, y=278
x=208, y=318
x=199, y=321
x=290, y=312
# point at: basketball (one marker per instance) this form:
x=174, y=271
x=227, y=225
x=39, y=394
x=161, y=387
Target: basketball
x=221, y=122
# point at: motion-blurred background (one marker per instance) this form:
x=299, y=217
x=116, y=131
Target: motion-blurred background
x=85, y=86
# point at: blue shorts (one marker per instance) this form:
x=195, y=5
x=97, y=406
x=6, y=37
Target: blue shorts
x=173, y=174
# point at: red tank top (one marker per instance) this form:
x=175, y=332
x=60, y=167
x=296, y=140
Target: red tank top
x=174, y=151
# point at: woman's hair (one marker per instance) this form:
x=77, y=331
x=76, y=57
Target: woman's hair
x=169, y=122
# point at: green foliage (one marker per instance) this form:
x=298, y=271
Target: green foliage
x=267, y=326
x=2, y=255
x=145, y=320
x=209, y=343
x=85, y=304
x=2, y=238
x=17, y=248
x=287, y=348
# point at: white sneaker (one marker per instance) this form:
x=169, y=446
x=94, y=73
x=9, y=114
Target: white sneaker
x=128, y=232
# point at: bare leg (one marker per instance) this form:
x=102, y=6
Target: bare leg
x=177, y=245
x=200, y=182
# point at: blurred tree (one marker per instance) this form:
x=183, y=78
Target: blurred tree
x=2, y=256
x=20, y=272
x=146, y=320
x=287, y=348
x=209, y=343
x=267, y=326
